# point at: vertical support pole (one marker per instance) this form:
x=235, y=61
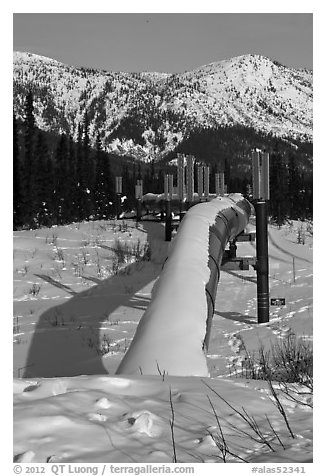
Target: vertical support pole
x=206, y=182
x=260, y=175
x=181, y=180
x=138, y=196
x=166, y=187
x=170, y=186
x=138, y=210
x=256, y=175
x=118, y=193
x=219, y=184
x=265, y=174
x=260, y=182
x=168, y=190
x=262, y=262
x=190, y=180
x=168, y=221
x=200, y=172
x=233, y=249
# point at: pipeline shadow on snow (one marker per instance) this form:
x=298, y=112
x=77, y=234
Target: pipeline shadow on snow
x=59, y=285
x=241, y=276
x=67, y=339
x=236, y=316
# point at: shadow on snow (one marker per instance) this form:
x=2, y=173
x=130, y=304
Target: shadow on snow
x=68, y=341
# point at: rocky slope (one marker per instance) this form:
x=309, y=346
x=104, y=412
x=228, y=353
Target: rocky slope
x=148, y=114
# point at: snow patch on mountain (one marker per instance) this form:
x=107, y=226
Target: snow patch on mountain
x=148, y=113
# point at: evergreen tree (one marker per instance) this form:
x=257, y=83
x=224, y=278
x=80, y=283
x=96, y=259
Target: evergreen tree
x=28, y=198
x=103, y=188
x=296, y=194
x=279, y=208
x=160, y=181
x=62, y=195
x=88, y=170
x=72, y=179
x=139, y=172
x=212, y=172
x=147, y=184
x=128, y=188
x=43, y=183
x=17, y=178
x=306, y=211
x=80, y=177
x=227, y=174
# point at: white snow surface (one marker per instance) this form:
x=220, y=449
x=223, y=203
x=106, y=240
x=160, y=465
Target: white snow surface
x=69, y=407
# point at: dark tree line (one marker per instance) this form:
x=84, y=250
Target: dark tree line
x=228, y=150
x=57, y=180
x=291, y=189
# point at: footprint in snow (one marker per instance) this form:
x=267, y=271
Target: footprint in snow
x=236, y=343
x=96, y=417
x=103, y=403
x=46, y=388
x=205, y=441
x=146, y=423
x=26, y=457
x=158, y=456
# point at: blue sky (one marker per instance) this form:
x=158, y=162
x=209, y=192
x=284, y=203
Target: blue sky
x=170, y=42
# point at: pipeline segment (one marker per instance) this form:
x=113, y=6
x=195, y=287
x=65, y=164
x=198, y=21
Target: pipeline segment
x=176, y=326
x=228, y=224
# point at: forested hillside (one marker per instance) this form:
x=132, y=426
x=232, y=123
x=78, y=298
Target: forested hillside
x=76, y=129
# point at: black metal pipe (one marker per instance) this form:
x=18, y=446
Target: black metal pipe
x=168, y=221
x=262, y=262
x=118, y=205
x=138, y=209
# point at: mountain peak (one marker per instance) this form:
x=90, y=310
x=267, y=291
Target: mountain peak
x=32, y=57
x=154, y=111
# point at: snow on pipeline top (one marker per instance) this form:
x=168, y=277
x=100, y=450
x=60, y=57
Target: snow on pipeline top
x=170, y=334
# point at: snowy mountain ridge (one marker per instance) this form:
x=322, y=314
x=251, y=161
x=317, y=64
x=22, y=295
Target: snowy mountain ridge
x=148, y=114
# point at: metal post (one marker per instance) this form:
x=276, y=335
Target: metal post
x=200, y=174
x=168, y=221
x=206, y=182
x=138, y=196
x=262, y=262
x=233, y=249
x=118, y=205
x=118, y=192
x=219, y=184
x=168, y=191
x=138, y=209
x=180, y=180
x=190, y=180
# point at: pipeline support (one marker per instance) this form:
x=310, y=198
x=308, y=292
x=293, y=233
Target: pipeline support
x=262, y=262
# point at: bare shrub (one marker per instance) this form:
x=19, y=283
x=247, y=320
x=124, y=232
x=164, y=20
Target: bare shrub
x=289, y=360
x=129, y=252
x=35, y=289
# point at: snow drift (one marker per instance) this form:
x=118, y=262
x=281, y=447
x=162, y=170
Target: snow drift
x=170, y=335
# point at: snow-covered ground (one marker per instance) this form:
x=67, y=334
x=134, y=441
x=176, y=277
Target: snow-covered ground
x=74, y=318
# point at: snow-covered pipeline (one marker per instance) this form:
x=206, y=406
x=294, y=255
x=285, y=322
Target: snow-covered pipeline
x=170, y=335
